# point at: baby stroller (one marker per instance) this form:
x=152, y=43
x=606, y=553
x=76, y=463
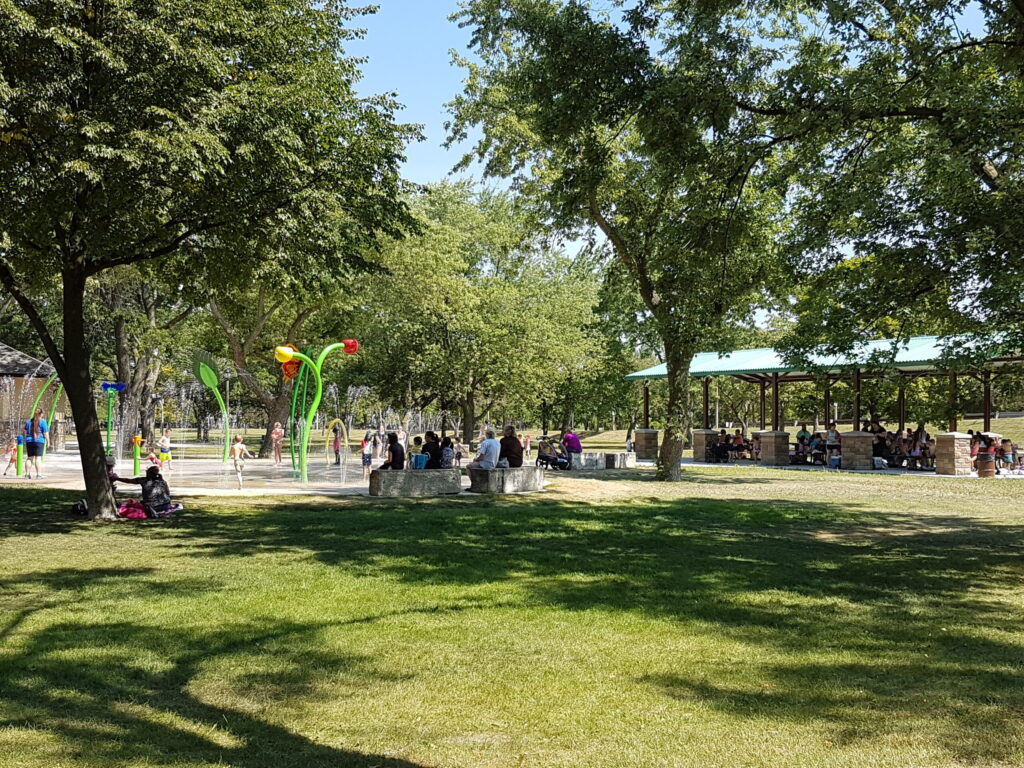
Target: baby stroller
x=551, y=455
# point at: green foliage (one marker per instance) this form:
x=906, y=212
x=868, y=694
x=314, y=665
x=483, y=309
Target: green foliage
x=206, y=134
x=608, y=128
x=473, y=310
x=905, y=124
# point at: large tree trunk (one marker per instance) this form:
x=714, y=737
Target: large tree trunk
x=677, y=360
x=79, y=390
x=279, y=410
x=568, y=417
x=468, y=404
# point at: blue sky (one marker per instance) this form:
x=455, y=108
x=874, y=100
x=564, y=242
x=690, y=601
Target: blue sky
x=407, y=44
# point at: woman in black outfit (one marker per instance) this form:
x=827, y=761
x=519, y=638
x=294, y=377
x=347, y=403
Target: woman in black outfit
x=432, y=449
x=396, y=453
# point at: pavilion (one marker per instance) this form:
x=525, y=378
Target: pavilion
x=909, y=359
x=21, y=378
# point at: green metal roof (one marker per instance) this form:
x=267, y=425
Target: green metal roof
x=918, y=352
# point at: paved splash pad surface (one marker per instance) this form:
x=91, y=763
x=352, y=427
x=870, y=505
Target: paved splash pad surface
x=212, y=477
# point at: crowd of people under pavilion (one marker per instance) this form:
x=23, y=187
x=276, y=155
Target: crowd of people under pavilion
x=911, y=449
x=899, y=448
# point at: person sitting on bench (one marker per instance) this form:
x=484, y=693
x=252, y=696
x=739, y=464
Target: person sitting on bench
x=511, y=449
x=488, y=452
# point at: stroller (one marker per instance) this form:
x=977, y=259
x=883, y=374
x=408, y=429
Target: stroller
x=551, y=455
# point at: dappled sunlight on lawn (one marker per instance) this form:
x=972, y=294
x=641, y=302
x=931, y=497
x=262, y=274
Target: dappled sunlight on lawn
x=815, y=614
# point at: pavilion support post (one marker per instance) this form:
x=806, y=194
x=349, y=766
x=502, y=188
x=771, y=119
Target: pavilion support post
x=828, y=401
x=706, y=383
x=952, y=403
x=647, y=404
x=764, y=404
x=901, y=404
x=856, y=398
x=986, y=383
x=776, y=411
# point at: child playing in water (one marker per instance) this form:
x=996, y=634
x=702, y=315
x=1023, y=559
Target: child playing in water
x=239, y=453
x=277, y=438
x=12, y=455
x=367, y=458
x=164, y=444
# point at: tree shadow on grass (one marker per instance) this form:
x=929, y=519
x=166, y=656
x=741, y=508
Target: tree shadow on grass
x=867, y=624
x=33, y=511
x=918, y=600
x=118, y=692
x=647, y=475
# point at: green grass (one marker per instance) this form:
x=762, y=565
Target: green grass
x=741, y=618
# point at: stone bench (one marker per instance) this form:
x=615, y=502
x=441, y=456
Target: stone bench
x=619, y=460
x=515, y=480
x=588, y=460
x=600, y=460
x=415, y=482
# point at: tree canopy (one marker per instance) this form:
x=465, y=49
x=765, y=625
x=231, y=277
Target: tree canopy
x=192, y=131
x=610, y=128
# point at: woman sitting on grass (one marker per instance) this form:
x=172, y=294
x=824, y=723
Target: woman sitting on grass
x=156, y=496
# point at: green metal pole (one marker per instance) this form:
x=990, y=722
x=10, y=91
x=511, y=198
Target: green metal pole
x=227, y=425
x=303, y=470
x=291, y=417
x=110, y=415
x=137, y=457
x=39, y=396
x=311, y=412
x=53, y=410
x=19, y=466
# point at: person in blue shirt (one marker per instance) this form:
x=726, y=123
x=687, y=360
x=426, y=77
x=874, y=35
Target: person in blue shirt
x=37, y=437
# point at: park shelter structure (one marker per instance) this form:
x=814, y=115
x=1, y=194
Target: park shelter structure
x=21, y=378
x=907, y=358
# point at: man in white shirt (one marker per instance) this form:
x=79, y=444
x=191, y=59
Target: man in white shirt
x=487, y=454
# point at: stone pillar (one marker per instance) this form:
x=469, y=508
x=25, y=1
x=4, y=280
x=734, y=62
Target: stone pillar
x=701, y=439
x=953, y=454
x=645, y=443
x=774, y=448
x=856, y=450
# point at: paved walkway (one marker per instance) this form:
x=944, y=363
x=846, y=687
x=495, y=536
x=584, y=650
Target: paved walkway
x=211, y=477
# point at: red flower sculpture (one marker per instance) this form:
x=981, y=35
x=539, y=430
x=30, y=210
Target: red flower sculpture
x=291, y=368
x=351, y=346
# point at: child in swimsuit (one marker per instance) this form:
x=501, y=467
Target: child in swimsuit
x=238, y=454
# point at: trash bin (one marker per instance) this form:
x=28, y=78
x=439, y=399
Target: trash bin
x=986, y=465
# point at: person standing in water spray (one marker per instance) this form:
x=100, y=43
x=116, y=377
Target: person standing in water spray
x=164, y=444
x=276, y=439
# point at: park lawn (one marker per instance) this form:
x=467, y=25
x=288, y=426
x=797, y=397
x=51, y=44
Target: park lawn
x=744, y=617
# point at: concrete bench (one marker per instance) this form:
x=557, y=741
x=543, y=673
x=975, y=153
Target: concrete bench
x=620, y=460
x=600, y=460
x=588, y=460
x=415, y=482
x=515, y=480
